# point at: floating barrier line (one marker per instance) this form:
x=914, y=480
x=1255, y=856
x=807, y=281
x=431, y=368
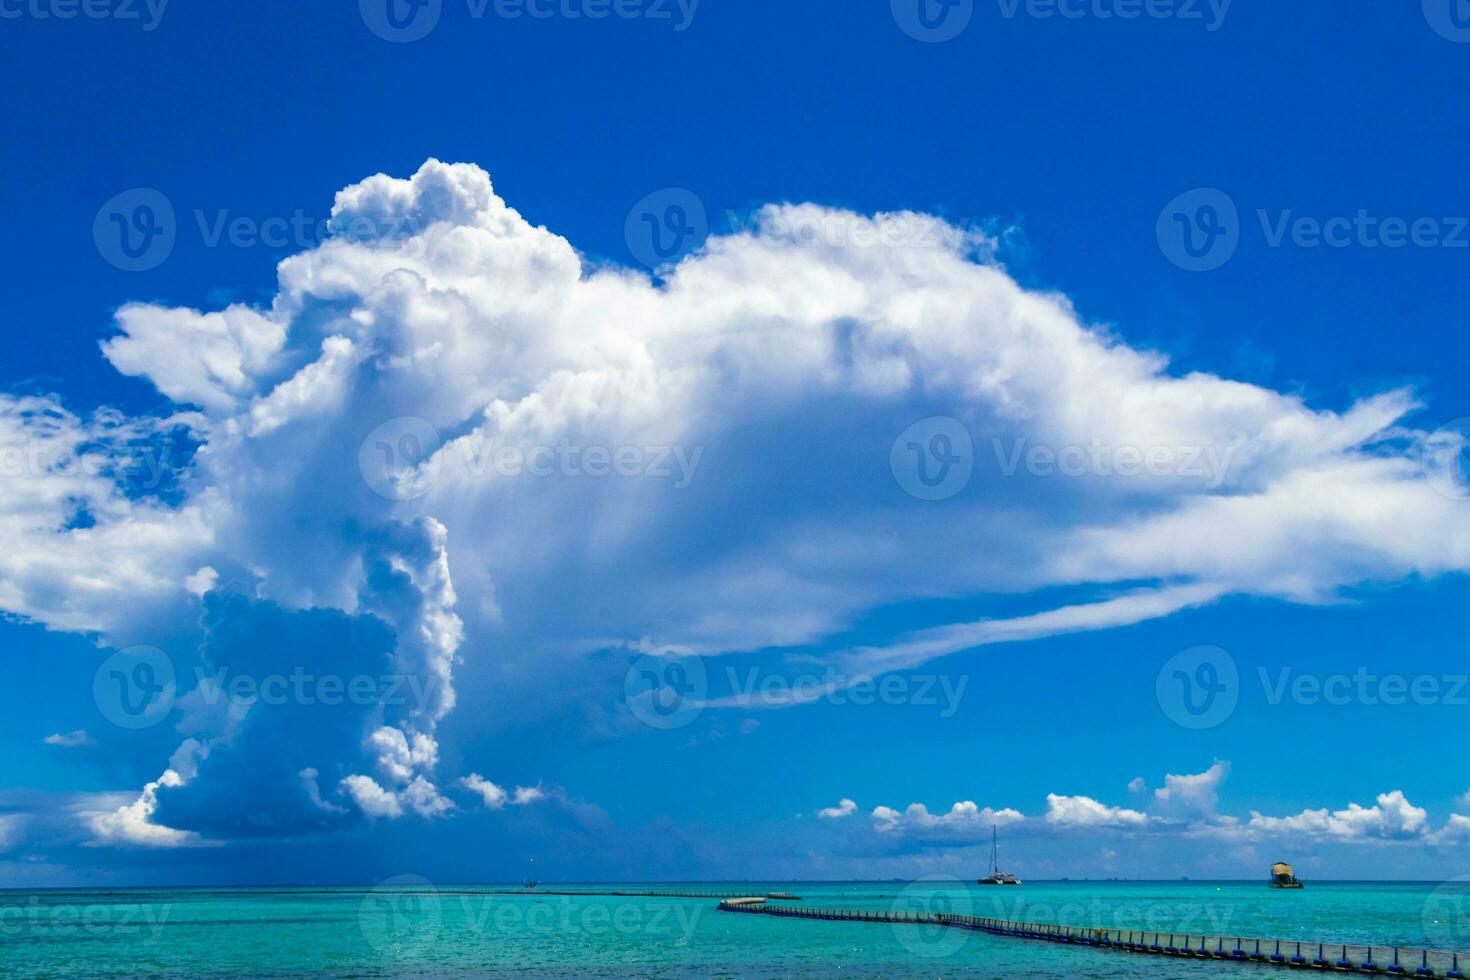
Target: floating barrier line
x=73, y=895
x=584, y=893
x=1288, y=953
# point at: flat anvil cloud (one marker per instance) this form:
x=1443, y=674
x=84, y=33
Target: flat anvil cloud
x=790, y=369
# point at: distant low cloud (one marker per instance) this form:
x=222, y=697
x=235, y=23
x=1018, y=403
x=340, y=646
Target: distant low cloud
x=844, y=808
x=69, y=740
x=1185, y=807
x=496, y=797
x=1083, y=811
x=1392, y=817
x=1455, y=831
x=964, y=821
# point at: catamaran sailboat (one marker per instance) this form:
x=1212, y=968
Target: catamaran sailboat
x=997, y=876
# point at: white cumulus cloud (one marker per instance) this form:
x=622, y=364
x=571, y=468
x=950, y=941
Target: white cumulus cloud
x=844, y=808
x=351, y=438
x=372, y=799
x=493, y=796
x=1084, y=811
x=964, y=819
x=1392, y=817
x=132, y=823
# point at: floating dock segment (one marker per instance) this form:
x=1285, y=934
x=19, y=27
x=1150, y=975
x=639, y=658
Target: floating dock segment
x=1287, y=953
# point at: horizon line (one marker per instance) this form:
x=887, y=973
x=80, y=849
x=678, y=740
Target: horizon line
x=690, y=881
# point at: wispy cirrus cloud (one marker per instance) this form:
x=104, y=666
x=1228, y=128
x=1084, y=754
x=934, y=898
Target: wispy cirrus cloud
x=69, y=740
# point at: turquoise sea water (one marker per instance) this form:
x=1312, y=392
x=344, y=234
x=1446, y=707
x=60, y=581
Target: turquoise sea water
x=406, y=927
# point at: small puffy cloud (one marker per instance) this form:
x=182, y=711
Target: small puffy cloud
x=493, y=796
x=1083, y=811
x=844, y=808
x=1191, y=797
x=525, y=795
x=425, y=798
x=399, y=756
x=69, y=740
x=372, y=799
x=1455, y=831
x=1137, y=785
x=419, y=795
x=965, y=821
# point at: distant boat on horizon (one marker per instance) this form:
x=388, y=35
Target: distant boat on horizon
x=997, y=876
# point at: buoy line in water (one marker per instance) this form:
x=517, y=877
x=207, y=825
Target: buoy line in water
x=1289, y=953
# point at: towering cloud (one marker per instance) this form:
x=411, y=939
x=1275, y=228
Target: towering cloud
x=448, y=424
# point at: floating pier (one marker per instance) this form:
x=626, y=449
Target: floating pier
x=1286, y=953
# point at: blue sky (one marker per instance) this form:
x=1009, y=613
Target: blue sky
x=977, y=240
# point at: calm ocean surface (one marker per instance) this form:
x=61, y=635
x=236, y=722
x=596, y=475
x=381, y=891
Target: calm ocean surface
x=407, y=928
